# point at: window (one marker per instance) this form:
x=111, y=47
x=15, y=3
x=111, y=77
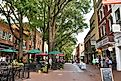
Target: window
x=24, y=44
x=1, y=33
x=10, y=37
x=4, y=35
x=101, y=31
x=108, y=6
x=117, y=15
x=110, y=23
x=101, y=13
x=104, y=30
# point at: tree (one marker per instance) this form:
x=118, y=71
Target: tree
x=15, y=11
x=58, y=20
x=71, y=12
x=70, y=22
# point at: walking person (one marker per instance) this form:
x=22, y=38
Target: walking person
x=110, y=63
x=50, y=63
x=97, y=62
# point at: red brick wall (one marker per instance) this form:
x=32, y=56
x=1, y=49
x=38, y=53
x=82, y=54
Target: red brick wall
x=5, y=28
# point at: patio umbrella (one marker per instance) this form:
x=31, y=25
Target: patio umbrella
x=42, y=54
x=34, y=51
x=8, y=51
x=54, y=52
x=60, y=55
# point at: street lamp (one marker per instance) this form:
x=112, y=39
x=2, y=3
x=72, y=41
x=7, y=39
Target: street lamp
x=110, y=48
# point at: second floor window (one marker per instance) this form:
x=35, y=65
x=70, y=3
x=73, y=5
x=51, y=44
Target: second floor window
x=110, y=23
x=117, y=15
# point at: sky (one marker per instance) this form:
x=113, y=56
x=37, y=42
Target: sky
x=80, y=37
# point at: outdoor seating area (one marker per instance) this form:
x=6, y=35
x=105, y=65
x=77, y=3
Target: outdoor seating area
x=41, y=62
x=12, y=69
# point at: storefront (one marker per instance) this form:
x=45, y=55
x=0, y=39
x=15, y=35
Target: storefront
x=106, y=48
x=118, y=50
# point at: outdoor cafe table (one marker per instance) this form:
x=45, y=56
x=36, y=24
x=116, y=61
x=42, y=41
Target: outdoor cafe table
x=8, y=72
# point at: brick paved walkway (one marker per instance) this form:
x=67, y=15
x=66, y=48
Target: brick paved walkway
x=71, y=72
x=95, y=73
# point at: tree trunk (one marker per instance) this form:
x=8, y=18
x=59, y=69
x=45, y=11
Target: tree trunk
x=21, y=38
x=43, y=38
x=53, y=33
x=43, y=44
x=34, y=41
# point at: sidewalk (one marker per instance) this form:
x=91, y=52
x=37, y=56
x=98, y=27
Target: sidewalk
x=95, y=73
x=70, y=72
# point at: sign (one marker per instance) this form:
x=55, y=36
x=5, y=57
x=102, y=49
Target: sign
x=106, y=74
x=103, y=42
x=111, y=1
x=116, y=28
x=93, y=42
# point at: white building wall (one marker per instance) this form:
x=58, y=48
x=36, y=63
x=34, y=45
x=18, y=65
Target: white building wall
x=118, y=50
x=117, y=37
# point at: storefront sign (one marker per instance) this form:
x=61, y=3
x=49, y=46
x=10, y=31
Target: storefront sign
x=106, y=74
x=111, y=1
x=102, y=42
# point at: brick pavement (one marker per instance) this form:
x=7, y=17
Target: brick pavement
x=72, y=73
x=95, y=73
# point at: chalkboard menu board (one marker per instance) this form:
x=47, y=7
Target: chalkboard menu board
x=106, y=74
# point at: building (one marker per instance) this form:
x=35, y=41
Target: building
x=79, y=50
x=116, y=14
x=77, y=58
x=6, y=37
x=106, y=37
x=87, y=48
x=8, y=41
x=92, y=37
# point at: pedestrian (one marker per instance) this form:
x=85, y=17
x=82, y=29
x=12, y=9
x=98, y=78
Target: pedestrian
x=50, y=63
x=97, y=62
x=110, y=63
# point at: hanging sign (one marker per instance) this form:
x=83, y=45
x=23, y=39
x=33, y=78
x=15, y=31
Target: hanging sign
x=111, y=1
